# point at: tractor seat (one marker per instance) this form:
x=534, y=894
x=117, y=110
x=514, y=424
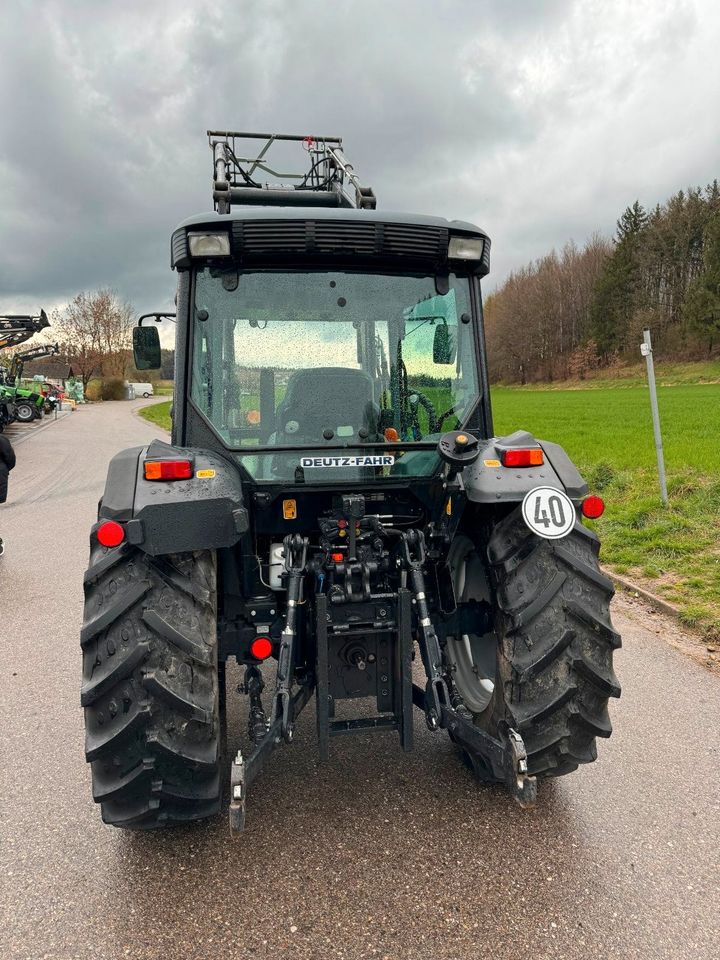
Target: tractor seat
x=326, y=398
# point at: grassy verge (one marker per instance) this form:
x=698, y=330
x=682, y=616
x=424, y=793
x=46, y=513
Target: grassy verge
x=674, y=550
x=159, y=414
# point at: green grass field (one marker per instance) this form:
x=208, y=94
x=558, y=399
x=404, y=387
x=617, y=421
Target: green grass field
x=607, y=431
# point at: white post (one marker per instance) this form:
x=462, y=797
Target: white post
x=646, y=351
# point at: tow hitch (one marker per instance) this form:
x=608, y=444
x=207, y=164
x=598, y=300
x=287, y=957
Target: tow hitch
x=370, y=635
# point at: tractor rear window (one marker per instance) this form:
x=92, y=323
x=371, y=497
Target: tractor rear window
x=322, y=359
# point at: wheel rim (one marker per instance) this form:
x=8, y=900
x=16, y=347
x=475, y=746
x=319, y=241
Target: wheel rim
x=25, y=414
x=472, y=659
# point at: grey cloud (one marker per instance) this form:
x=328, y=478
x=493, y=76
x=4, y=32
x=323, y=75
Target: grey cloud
x=538, y=120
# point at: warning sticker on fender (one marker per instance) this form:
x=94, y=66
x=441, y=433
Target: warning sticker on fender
x=548, y=512
x=368, y=460
x=205, y=474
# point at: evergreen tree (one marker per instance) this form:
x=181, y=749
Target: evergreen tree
x=617, y=291
x=701, y=307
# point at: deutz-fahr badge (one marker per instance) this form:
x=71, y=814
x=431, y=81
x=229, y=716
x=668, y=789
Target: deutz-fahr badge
x=369, y=460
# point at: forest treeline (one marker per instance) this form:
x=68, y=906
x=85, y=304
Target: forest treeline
x=586, y=307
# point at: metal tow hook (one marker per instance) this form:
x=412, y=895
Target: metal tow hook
x=522, y=786
x=237, y=794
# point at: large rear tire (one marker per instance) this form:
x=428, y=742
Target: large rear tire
x=554, y=644
x=150, y=686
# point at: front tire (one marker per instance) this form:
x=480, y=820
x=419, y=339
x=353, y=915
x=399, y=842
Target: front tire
x=150, y=686
x=24, y=412
x=554, y=645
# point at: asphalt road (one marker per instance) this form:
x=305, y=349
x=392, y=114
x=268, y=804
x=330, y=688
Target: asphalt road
x=377, y=854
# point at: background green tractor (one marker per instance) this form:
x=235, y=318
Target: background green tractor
x=17, y=402
x=333, y=503
x=29, y=402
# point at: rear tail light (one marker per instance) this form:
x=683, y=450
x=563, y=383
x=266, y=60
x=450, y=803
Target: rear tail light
x=593, y=507
x=168, y=470
x=110, y=534
x=261, y=648
x=532, y=457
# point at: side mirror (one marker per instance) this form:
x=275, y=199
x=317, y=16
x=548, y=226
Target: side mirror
x=445, y=344
x=146, y=348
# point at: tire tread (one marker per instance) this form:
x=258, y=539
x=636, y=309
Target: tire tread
x=556, y=645
x=150, y=690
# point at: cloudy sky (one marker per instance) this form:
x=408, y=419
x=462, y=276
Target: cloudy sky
x=538, y=119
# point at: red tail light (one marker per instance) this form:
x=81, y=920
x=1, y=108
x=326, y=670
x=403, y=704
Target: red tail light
x=593, y=507
x=522, y=458
x=110, y=534
x=261, y=648
x=168, y=470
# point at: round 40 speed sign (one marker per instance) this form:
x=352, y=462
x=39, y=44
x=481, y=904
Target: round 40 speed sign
x=548, y=512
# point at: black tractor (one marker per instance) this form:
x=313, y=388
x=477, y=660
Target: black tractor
x=333, y=501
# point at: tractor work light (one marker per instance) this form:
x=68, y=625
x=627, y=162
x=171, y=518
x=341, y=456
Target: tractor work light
x=465, y=248
x=209, y=244
x=168, y=470
x=110, y=534
x=593, y=507
x=532, y=457
x=261, y=648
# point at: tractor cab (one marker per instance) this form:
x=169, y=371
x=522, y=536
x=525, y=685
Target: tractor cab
x=325, y=342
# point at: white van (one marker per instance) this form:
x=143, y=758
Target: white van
x=141, y=390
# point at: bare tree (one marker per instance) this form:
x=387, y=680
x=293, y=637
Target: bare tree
x=540, y=317
x=95, y=334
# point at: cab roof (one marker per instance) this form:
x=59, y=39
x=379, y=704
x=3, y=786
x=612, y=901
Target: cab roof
x=329, y=213
x=259, y=232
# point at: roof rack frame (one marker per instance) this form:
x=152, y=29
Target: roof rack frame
x=325, y=184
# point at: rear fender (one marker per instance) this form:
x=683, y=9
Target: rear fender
x=203, y=513
x=486, y=481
